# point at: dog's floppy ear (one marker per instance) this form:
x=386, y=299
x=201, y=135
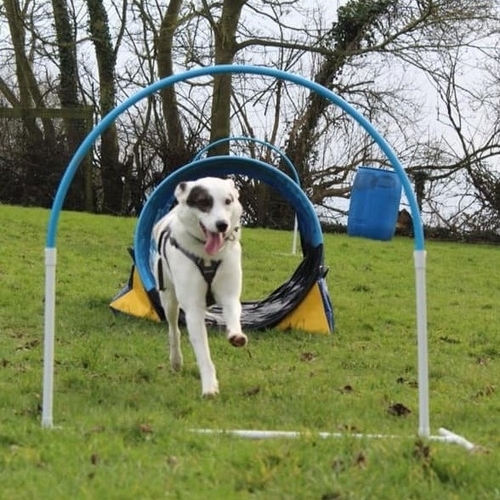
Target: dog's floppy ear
x=181, y=191
x=234, y=191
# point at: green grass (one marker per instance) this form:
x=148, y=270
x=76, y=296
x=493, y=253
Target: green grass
x=124, y=418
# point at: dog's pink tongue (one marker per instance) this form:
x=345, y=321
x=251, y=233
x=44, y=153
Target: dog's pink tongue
x=214, y=242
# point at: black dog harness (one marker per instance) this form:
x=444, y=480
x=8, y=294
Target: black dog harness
x=208, y=271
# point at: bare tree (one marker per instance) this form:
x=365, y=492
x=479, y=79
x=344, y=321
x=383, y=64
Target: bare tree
x=372, y=53
x=477, y=145
x=112, y=169
x=178, y=152
x=43, y=145
x=69, y=98
x=29, y=92
x=224, y=31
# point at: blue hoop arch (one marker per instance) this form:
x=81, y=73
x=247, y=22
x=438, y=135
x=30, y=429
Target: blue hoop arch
x=291, y=167
x=234, y=69
x=258, y=314
x=284, y=158
x=162, y=198
x=51, y=237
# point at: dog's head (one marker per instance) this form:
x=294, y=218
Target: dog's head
x=210, y=209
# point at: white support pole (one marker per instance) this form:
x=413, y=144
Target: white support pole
x=48, y=344
x=295, y=234
x=423, y=356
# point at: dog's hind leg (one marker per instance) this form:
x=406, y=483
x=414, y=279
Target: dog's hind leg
x=171, y=306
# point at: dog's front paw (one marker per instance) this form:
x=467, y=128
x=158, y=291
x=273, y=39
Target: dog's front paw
x=210, y=395
x=237, y=339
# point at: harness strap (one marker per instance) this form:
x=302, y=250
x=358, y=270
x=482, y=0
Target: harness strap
x=159, y=274
x=162, y=240
x=208, y=271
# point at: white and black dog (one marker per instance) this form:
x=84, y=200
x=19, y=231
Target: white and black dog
x=199, y=257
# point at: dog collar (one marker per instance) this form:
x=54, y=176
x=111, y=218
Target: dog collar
x=232, y=235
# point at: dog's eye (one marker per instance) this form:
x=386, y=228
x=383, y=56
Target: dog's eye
x=228, y=201
x=205, y=203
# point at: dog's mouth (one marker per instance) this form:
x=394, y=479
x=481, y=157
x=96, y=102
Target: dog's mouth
x=213, y=241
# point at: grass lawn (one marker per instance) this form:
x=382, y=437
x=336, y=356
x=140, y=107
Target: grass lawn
x=124, y=419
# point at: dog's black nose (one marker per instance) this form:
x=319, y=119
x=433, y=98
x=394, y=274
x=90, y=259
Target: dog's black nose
x=221, y=226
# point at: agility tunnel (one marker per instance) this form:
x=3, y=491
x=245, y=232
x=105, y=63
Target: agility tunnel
x=311, y=234
x=302, y=302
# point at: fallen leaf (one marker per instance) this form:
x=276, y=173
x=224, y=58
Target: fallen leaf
x=307, y=356
x=172, y=461
x=252, y=391
x=485, y=391
x=410, y=383
x=97, y=429
x=348, y=428
x=336, y=495
x=338, y=465
x=399, y=410
x=347, y=388
x=480, y=450
x=29, y=345
x=449, y=340
x=361, y=460
x=146, y=428
x=422, y=451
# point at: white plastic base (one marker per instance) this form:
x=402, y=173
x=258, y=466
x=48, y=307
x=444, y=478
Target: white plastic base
x=445, y=435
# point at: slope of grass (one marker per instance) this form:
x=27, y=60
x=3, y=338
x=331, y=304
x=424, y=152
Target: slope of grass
x=124, y=419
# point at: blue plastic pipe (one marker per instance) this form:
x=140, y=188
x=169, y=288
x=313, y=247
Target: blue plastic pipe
x=235, y=69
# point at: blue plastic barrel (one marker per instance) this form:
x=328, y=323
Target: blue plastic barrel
x=374, y=204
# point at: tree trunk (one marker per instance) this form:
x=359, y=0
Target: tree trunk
x=80, y=195
x=111, y=169
x=225, y=49
x=29, y=92
x=178, y=154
